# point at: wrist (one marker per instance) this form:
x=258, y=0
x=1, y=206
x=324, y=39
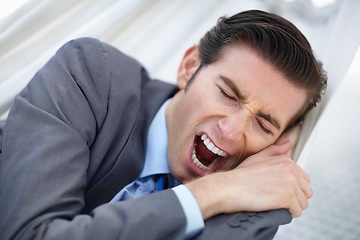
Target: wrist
x=207, y=194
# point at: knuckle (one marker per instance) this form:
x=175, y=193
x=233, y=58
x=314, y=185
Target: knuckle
x=289, y=166
x=288, y=194
x=290, y=182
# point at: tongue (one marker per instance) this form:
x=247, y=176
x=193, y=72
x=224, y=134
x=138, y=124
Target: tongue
x=204, y=155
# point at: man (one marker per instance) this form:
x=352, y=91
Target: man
x=93, y=128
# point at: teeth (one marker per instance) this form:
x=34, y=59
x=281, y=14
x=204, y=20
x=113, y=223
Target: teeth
x=212, y=147
x=199, y=164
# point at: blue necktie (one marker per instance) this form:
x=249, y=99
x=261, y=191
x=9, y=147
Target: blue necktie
x=146, y=185
x=165, y=181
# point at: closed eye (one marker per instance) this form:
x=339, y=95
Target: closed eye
x=263, y=128
x=226, y=95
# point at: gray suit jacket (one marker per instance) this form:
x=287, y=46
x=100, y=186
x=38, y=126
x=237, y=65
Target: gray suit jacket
x=74, y=137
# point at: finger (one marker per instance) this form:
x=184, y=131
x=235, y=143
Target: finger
x=298, y=203
x=274, y=153
x=303, y=180
x=278, y=149
x=305, y=187
x=305, y=175
x=295, y=208
x=302, y=198
x=292, y=135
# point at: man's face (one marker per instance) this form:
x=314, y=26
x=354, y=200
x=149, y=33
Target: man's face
x=234, y=107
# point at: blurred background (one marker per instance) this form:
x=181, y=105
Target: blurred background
x=157, y=33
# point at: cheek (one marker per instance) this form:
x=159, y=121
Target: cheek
x=257, y=144
x=196, y=106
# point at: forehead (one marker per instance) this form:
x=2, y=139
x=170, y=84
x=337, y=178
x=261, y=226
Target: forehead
x=265, y=88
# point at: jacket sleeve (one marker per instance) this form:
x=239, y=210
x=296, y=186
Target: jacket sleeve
x=46, y=162
x=245, y=225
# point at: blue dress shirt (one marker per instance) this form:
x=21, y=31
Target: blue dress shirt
x=156, y=163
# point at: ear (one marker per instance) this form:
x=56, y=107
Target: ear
x=188, y=66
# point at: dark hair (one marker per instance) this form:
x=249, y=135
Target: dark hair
x=278, y=41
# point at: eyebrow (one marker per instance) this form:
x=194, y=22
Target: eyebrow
x=241, y=97
x=270, y=119
x=233, y=87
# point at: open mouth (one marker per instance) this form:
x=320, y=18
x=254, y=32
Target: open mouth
x=205, y=154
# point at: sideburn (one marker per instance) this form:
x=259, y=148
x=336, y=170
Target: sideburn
x=193, y=76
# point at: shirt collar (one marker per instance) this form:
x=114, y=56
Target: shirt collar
x=156, y=150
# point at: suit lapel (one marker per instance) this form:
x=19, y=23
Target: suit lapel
x=131, y=159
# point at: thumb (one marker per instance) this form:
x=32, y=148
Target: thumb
x=271, y=151
x=279, y=148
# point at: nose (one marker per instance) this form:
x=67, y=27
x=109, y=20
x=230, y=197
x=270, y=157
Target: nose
x=232, y=127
